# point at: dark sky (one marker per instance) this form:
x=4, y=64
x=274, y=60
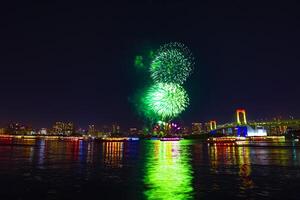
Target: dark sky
x=74, y=61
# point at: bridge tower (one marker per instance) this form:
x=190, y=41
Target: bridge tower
x=212, y=125
x=241, y=116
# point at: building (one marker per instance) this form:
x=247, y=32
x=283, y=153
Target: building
x=133, y=131
x=206, y=127
x=81, y=131
x=2, y=131
x=63, y=128
x=196, y=128
x=186, y=130
x=106, y=129
x=19, y=129
x=43, y=131
x=115, y=129
x=92, y=130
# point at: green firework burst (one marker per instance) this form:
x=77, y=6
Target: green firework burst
x=138, y=62
x=164, y=101
x=172, y=63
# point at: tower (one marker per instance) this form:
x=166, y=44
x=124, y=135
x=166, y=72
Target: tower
x=213, y=125
x=241, y=116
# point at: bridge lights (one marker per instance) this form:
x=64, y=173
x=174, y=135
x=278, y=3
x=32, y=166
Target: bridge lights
x=239, y=113
x=213, y=125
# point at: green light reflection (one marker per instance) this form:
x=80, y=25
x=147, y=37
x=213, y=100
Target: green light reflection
x=168, y=172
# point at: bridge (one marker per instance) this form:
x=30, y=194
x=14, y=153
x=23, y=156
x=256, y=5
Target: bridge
x=243, y=127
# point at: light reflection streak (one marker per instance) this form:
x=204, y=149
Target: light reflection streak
x=113, y=154
x=168, y=172
x=232, y=155
x=41, y=152
x=90, y=152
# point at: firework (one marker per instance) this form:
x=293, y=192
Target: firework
x=164, y=101
x=144, y=60
x=172, y=63
x=138, y=62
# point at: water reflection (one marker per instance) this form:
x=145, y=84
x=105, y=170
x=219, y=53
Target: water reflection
x=231, y=155
x=251, y=161
x=41, y=152
x=168, y=171
x=90, y=152
x=113, y=154
x=71, y=169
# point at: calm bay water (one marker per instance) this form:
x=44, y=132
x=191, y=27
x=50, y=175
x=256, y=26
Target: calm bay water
x=188, y=169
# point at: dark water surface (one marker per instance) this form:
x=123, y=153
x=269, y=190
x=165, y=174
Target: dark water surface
x=189, y=169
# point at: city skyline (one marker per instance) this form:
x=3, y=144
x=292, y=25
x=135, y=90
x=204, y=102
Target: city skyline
x=70, y=127
x=77, y=64
x=155, y=99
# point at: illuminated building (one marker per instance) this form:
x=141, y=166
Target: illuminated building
x=240, y=112
x=185, y=130
x=258, y=131
x=2, y=131
x=248, y=131
x=19, y=129
x=63, y=128
x=133, y=131
x=282, y=129
x=115, y=129
x=92, y=130
x=196, y=128
x=240, y=131
x=106, y=130
x=43, y=131
x=81, y=131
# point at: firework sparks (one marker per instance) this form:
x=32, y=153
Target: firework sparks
x=164, y=101
x=173, y=63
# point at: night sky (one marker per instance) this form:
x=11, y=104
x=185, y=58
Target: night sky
x=75, y=62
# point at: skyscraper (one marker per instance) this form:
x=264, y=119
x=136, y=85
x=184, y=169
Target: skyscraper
x=63, y=128
x=196, y=128
x=92, y=130
x=115, y=129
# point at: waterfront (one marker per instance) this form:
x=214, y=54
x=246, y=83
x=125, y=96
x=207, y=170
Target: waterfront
x=147, y=169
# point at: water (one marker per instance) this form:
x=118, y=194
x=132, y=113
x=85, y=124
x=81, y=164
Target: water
x=188, y=169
